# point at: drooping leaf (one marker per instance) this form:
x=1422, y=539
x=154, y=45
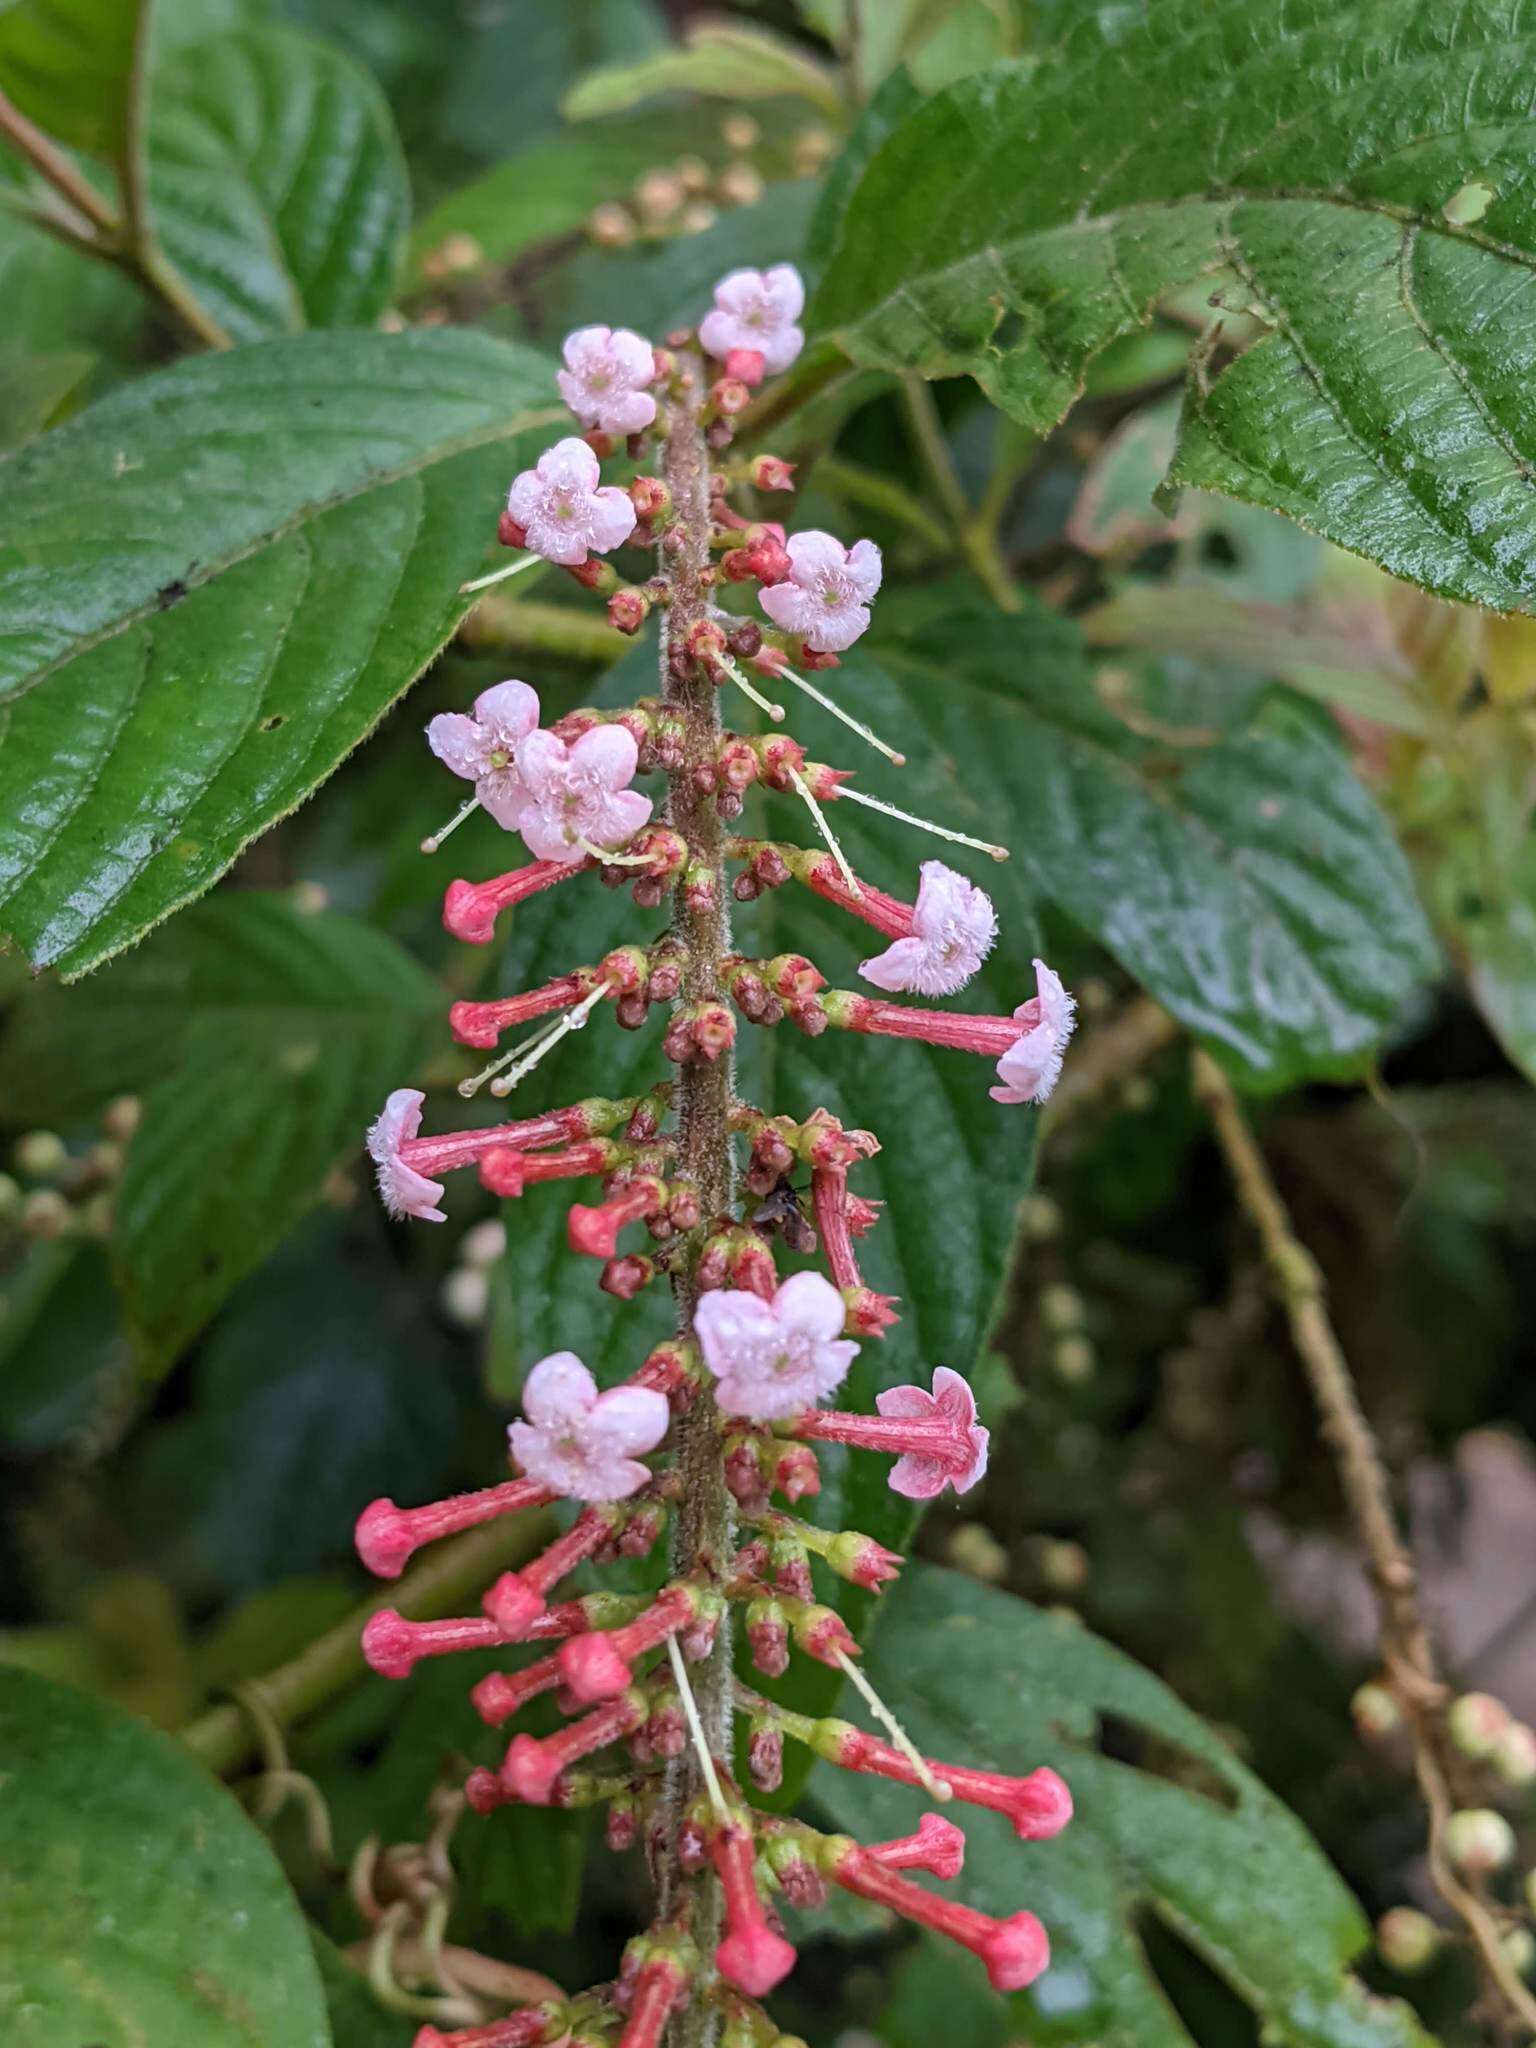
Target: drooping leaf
x=212, y=585
x=277, y=185
x=137, y=1902
x=1208, y=831
x=722, y=59
x=1167, y=1821
x=66, y=64
x=1024, y=219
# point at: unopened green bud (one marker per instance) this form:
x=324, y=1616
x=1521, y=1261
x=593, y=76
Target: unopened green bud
x=40, y=1155
x=1406, y=1940
x=1475, y=1722
x=1514, y=1754
x=1061, y=1307
x=1376, y=1712
x=1479, y=1841
x=45, y=1213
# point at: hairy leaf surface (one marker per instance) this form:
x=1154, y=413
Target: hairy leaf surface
x=1358, y=171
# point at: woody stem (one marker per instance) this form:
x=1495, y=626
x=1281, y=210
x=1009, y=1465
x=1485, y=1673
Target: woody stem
x=704, y=1528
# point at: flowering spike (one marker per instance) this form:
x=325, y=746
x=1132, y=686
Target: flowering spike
x=1015, y=1951
x=935, y=1437
x=470, y=909
x=752, y=1956
x=388, y=1536
x=531, y=1766
x=938, y=1847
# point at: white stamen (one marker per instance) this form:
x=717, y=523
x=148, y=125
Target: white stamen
x=854, y=725
x=696, y=1730
x=934, y=1787
x=774, y=711
x=523, y=1058
x=875, y=803
x=434, y=840
x=499, y=575
x=614, y=860
x=820, y=818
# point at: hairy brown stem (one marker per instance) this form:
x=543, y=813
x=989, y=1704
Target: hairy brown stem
x=705, y=1522
x=1407, y=1651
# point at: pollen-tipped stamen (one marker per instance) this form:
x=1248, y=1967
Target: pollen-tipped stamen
x=434, y=840
x=749, y=689
x=819, y=819
x=499, y=575
x=696, y=1731
x=875, y=803
x=934, y=1787
x=847, y=718
x=505, y=1073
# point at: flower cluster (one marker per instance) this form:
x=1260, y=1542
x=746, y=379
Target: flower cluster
x=723, y=1190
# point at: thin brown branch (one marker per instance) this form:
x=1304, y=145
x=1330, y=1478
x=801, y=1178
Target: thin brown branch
x=50, y=162
x=1407, y=1652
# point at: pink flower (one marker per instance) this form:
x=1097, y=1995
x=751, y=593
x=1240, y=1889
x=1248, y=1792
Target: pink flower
x=825, y=598
x=954, y=928
x=1029, y=1069
x=404, y=1191
x=604, y=379
x=956, y=1455
x=774, y=1358
x=581, y=1443
x=757, y=310
x=479, y=745
x=578, y=797
x=564, y=511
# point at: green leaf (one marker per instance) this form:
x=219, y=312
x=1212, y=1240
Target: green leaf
x=264, y=1042
x=1210, y=833
x=213, y=584
x=146, y=1907
x=1026, y=218
x=277, y=184
x=35, y=389
x=1167, y=1822
x=357, y=2019
x=885, y=112
x=66, y=64
x=721, y=59
x=1491, y=922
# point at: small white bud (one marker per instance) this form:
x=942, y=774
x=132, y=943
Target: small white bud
x=1376, y=1712
x=1514, y=1754
x=41, y=1154
x=1406, y=1940
x=1479, y=1841
x=464, y=1297
x=1061, y=1307
x=1475, y=1722
x=484, y=1243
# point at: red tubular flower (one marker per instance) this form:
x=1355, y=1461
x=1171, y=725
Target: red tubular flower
x=752, y=1956
x=935, y=1437
x=481, y=1024
x=470, y=909
x=393, y=1645
x=597, y=1666
x=525, y=2029
x=596, y=1231
x=655, y=1991
x=938, y=1847
x=506, y=1172
x=888, y=914
x=1015, y=1951
x=530, y=1767
x=387, y=1536
x=517, y=1599
x=500, y=1694
x=829, y=1195
x=990, y=1036
x=1039, y=1806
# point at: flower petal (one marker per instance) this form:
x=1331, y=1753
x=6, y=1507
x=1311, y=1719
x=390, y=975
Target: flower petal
x=866, y=566
x=809, y=1305
x=612, y=518
x=814, y=553
x=508, y=710
x=558, y=1391
x=569, y=462
x=458, y=743
x=627, y=1420
x=608, y=753
x=895, y=969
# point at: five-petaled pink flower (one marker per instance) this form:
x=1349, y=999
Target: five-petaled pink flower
x=577, y=797
x=825, y=598
x=563, y=509
x=480, y=744
x=1029, y=1068
x=774, y=1358
x=957, y=1455
x=405, y=1192
x=604, y=379
x=580, y=1443
x=954, y=928
x=757, y=309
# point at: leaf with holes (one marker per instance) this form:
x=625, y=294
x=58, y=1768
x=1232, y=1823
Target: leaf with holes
x=277, y=185
x=1207, y=830
x=1168, y=1823
x=66, y=64
x=1358, y=171
x=137, y=1902
x=213, y=584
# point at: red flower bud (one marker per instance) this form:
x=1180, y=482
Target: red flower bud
x=772, y=473
x=628, y=610
x=746, y=365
